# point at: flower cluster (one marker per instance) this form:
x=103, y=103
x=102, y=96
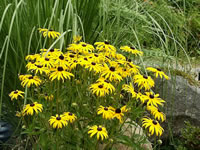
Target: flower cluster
x=109, y=77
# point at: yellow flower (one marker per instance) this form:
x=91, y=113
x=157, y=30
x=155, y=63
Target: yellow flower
x=39, y=68
x=32, y=57
x=143, y=81
x=158, y=72
x=153, y=125
x=131, y=50
x=49, y=33
x=107, y=112
x=58, y=121
x=60, y=73
x=105, y=46
x=15, y=94
x=92, y=66
x=156, y=113
x=48, y=97
x=31, y=108
x=130, y=89
x=111, y=73
x=153, y=99
x=30, y=80
x=107, y=84
x=77, y=38
x=100, y=131
x=69, y=116
x=99, y=89
x=119, y=113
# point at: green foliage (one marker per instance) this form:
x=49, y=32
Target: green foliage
x=191, y=136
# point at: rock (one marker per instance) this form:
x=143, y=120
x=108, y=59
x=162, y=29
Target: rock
x=182, y=102
x=136, y=131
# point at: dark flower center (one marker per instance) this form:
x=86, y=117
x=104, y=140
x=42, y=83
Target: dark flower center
x=84, y=45
x=151, y=96
x=51, y=50
x=159, y=110
x=100, y=86
x=61, y=57
x=60, y=69
x=93, y=63
x=105, y=108
x=50, y=30
x=39, y=66
x=96, y=55
x=70, y=114
x=112, y=69
x=58, y=118
x=144, y=76
x=85, y=59
x=99, y=129
x=132, y=47
x=106, y=42
x=124, y=69
x=32, y=105
x=47, y=59
x=45, y=94
x=106, y=81
x=75, y=61
x=72, y=56
x=154, y=122
x=158, y=69
x=118, y=110
x=30, y=77
x=107, y=57
x=15, y=92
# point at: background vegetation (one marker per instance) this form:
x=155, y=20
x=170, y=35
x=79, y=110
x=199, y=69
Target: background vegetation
x=166, y=30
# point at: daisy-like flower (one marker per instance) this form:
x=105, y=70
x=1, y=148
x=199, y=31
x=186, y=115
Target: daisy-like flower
x=54, y=52
x=130, y=89
x=48, y=97
x=153, y=99
x=60, y=60
x=93, y=66
x=156, y=113
x=58, y=121
x=47, y=62
x=60, y=73
x=49, y=33
x=119, y=113
x=153, y=125
x=39, y=69
x=85, y=48
x=131, y=50
x=100, y=131
x=107, y=112
x=143, y=81
x=111, y=73
x=31, y=108
x=77, y=38
x=29, y=80
x=15, y=94
x=158, y=72
x=105, y=46
x=69, y=116
x=107, y=84
x=32, y=57
x=99, y=89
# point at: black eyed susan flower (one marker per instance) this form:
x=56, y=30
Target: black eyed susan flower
x=33, y=57
x=130, y=89
x=60, y=73
x=131, y=50
x=144, y=81
x=158, y=72
x=48, y=97
x=31, y=108
x=39, y=69
x=133, y=69
x=153, y=99
x=119, y=113
x=85, y=48
x=58, y=121
x=69, y=116
x=111, y=73
x=100, y=131
x=77, y=38
x=47, y=62
x=106, y=83
x=159, y=115
x=99, y=89
x=105, y=46
x=29, y=80
x=15, y=94
x=49, y=33
x=93, y=66
x=153, y=125
x=107, y=112
x=53, y=53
